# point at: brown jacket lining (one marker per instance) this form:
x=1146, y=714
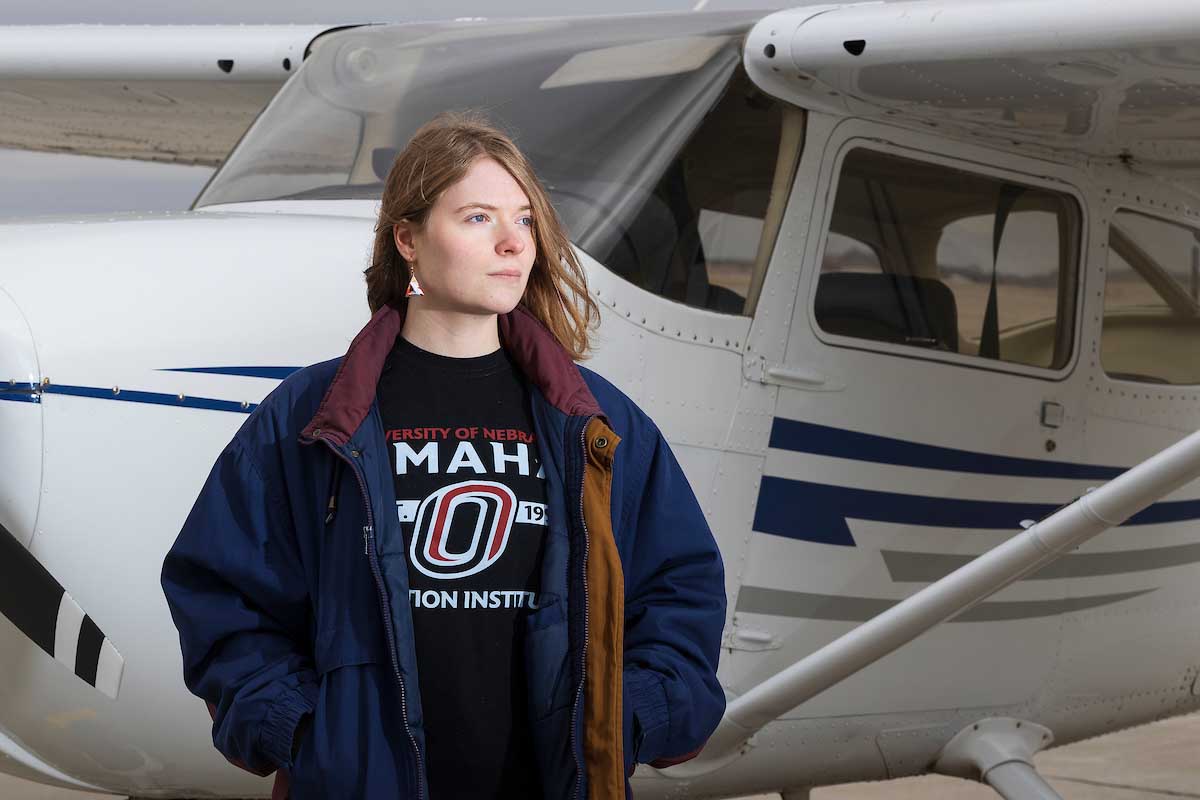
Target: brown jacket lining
x=603, y=721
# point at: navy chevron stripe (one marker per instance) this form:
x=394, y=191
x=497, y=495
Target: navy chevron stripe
x=277, y=373
x=816, y=512
x=805, y=437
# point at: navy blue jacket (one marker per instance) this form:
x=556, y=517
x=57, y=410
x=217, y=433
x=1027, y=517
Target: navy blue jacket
x=289, y=586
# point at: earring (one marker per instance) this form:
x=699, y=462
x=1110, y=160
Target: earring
x=414, y=288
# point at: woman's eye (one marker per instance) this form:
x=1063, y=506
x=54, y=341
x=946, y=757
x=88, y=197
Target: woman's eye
x=477, y=218
x=527, y=221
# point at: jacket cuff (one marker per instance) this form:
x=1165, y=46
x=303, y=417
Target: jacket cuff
x=647, y=716
x=275, y=738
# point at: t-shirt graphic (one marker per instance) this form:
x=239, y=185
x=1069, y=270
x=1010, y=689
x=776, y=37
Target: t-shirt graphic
x=464, y=527
x=471, y=501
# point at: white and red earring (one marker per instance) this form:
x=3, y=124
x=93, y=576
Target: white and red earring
x=414, y=288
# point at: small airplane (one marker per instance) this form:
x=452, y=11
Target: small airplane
x=898, y=281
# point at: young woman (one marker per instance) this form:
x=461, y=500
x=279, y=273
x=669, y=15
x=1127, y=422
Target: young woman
x=453, y=563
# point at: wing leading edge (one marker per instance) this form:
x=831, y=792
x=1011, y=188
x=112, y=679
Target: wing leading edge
x=1108, y=80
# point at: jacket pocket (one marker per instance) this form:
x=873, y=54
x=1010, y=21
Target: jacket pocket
x=545, y=653
x=347, y=646
x=355, y=746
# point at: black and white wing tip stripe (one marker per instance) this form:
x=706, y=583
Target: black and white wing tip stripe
x=82, y=647
x=40, y=608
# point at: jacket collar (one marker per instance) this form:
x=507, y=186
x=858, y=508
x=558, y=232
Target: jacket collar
x=530, y=344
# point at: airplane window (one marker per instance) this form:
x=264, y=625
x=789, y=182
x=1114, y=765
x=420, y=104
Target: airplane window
x=730, y=242
x=911, y=259
x=710, y=208
x=1151, y=330
x=846, y=254
x=660, y=155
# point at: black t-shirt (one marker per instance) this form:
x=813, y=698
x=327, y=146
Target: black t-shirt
x=471, y=499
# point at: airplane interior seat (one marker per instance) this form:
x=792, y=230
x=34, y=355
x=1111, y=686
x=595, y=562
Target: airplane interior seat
x=660, y=248
x=646, y=245
x=684, y=275
x=630, y=249
x=725, y=300
x=888, y=308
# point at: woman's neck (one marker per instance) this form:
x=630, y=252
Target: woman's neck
x=451, y=334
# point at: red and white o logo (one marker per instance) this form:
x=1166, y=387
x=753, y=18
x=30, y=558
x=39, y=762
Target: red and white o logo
x=484, y=512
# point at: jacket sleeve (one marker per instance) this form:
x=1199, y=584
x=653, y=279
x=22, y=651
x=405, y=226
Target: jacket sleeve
x=238, y=595
x=674, y=615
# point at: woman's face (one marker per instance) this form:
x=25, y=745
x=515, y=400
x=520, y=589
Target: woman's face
x=476, y=248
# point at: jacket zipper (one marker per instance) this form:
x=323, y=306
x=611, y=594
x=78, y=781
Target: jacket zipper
x=334, y=485
x=368, y=535
x=583, y=650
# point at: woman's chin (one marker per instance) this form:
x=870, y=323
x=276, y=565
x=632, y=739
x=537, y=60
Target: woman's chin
x=485, y=307
x=500, y=305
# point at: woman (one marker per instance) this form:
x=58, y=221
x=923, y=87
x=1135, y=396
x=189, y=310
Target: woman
x=452, y=563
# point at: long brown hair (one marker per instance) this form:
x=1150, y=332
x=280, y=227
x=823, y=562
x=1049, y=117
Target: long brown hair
x=438, y=156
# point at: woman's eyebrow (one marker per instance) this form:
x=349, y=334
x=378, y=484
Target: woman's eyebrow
x=488, y=207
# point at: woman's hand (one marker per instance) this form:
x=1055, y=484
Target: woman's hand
x=298, y=735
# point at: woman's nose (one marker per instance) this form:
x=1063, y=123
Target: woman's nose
x=510, y=242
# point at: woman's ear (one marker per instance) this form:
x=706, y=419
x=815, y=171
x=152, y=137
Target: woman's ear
x=402, y=235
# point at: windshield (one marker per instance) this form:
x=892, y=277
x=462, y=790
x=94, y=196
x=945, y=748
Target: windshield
x=600, y=106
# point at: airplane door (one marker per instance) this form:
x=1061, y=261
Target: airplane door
x=926, y=407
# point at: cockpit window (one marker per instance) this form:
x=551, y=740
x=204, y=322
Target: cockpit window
x=1151, y=328
x=929, y=256
x=657, y=150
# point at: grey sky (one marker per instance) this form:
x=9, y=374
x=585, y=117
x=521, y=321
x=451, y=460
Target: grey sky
x=180, y=12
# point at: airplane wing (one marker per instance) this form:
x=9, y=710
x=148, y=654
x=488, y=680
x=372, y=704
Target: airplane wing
x=1095, y=78
x=178, y=93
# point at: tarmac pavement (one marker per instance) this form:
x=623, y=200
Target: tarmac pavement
x=1152, y=762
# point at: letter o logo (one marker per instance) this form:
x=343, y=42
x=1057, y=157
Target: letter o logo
x=490, y=506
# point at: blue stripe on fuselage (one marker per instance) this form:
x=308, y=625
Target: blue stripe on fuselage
x=805, y=437
x=816, y=512
x=21, y=396
x=153, y=398
x=276, y=373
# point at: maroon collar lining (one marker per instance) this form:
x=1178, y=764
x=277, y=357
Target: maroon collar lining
x=530, y=344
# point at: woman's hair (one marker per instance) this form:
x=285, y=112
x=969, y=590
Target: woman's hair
x=437, y=157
